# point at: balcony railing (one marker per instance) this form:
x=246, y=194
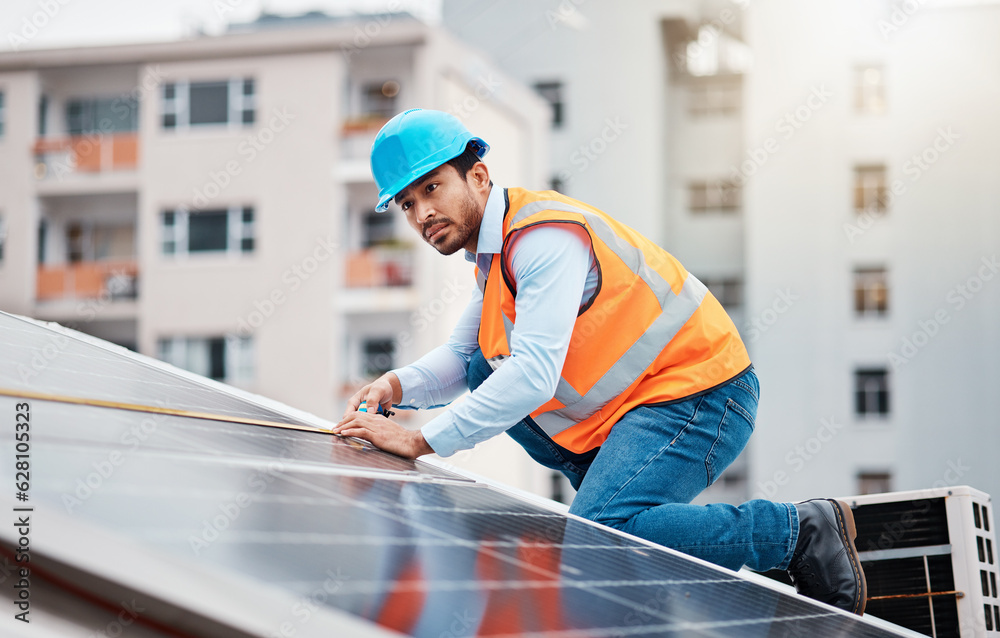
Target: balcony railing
x=379, y=267
x=357, y=135
x=93, y=153
x=88, y=280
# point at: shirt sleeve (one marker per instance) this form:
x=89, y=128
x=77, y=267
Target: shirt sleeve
x=438, y=377
x=549, y=264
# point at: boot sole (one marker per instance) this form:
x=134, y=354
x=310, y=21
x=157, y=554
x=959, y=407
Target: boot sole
x=849, y=531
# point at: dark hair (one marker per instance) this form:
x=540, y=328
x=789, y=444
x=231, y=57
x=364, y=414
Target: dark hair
x=464, y=162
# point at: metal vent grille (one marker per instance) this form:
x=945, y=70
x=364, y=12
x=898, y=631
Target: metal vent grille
x=905, y=577
x=987, y=571
x=901, y=524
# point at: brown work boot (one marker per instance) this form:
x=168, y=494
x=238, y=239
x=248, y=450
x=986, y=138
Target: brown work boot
x=825, y=564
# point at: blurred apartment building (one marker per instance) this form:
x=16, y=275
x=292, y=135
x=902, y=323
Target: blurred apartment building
x=829, y=170
x=209, y=202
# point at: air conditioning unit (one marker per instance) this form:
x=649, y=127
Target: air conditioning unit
x=930, y=558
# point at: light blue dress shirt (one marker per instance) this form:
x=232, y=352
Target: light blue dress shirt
x=555, y=274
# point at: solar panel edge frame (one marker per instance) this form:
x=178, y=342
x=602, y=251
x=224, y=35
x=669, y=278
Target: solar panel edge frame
x=256, y=609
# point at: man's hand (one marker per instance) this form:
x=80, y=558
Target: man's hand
x=384, y=434
x=384, y=391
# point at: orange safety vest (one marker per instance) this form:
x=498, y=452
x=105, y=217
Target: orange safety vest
x=651, y=332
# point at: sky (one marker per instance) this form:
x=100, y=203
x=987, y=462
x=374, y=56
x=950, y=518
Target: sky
x=28, y=24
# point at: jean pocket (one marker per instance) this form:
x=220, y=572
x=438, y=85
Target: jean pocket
x=749, y=385
x=734, y=431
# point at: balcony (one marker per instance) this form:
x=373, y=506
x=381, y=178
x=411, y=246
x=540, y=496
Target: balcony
x=356, y=137
x=110, y=279
x=380, y=267
x=356, y=143
x=69, y=165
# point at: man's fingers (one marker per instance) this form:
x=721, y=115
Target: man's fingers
x=348, y=420
x=351, y=409
x=360, y=433
x=372, y=394
x=355, y=401
x=355, y=432
x=350, y=430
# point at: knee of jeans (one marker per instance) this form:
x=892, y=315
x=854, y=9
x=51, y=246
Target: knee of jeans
x=595, y=512
x=477, y=371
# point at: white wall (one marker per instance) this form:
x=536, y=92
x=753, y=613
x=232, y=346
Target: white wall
x=17, y=195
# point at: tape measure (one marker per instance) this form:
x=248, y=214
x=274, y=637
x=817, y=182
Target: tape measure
x=137, y=407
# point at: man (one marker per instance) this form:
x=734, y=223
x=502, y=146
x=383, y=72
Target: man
x=601, y=355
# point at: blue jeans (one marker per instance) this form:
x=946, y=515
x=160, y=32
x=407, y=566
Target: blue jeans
x=656, y=460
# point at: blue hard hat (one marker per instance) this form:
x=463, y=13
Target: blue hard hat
x=414, y=143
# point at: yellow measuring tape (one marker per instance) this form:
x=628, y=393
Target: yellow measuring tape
x=136, y=407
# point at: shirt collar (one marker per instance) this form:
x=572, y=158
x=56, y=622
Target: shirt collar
x=491, y=228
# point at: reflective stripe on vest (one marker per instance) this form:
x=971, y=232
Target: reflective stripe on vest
x=677, y=309
x=632, y=256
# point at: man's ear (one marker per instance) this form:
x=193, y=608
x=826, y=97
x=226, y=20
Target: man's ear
x=479, y=177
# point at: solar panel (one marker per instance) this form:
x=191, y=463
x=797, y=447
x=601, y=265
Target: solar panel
x=253, y=530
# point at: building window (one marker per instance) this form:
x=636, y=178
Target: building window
x=43, y=115
x=377, y=229
x=377, y=356
x=77, y=242
x=560, y=489
x=557, y=184
x=869, y=88
x=210, y=231
x=379, y=98
x=552, y=92
x=874, y=483
x=227, y=358
x=871, y=292
x=3, y=113
x=728, y=290
x=871, y=392
x=224, y=102
x=713, y=52
x=102, y=115
x=722, y=96
x=870, y=189
x=715, y=195
x=43, y=241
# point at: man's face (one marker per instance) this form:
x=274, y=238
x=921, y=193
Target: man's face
x=441, y=207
